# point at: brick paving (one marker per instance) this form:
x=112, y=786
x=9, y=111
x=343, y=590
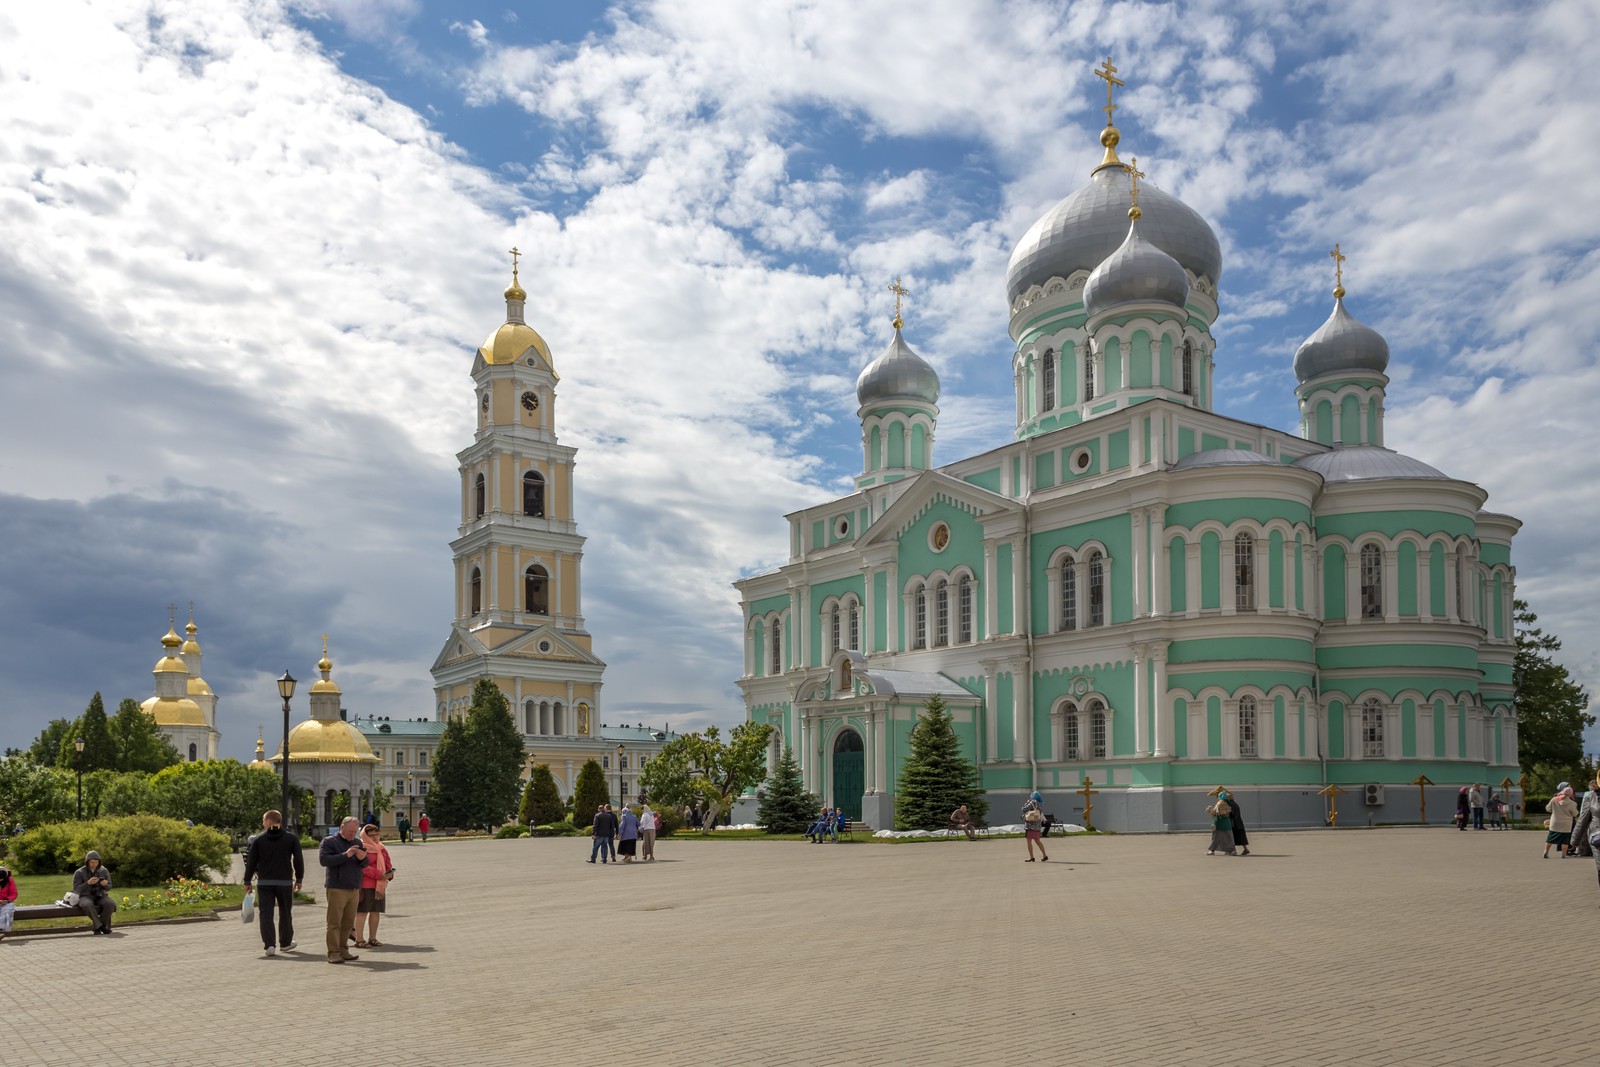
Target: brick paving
x=1387, y=946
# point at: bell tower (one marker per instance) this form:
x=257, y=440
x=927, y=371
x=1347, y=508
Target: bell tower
x=518, y=555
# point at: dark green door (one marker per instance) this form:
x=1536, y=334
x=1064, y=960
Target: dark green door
x=849, y=773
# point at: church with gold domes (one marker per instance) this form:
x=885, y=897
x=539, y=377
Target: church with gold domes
x=1140, y=598
x=184, y=707
x=327, y=754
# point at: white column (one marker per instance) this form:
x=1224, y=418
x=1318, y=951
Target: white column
x=1080, y=605
x=1391, y=585
x=1261, y=570
x=1141, y=564
x=1021, y=721
x=1018, y=586
x=1425, y=730
x=1230, y=729
x=1291, y=729
x=1158, y=701
x=1424, y=584
x=1161, y=580
x=1288, y=575
x=991, y=710
x=870, y=756
x=869, y=614
x=1085, y=742
x=1191, y=577
x=892, y=608
x=1391, y=731
x=1266, y=730
x=881, y=729
x=991, y=594
x=577, y=585
x=1352, y=586
x=1141, y=731
x=805, y=626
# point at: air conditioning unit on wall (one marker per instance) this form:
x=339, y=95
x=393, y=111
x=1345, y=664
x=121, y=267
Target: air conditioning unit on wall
x=1374, y=795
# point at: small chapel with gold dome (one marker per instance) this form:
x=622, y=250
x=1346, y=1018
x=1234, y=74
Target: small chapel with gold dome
x=327, y=754
x=184, y=707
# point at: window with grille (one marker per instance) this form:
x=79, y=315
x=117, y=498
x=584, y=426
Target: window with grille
x=479, y=493
x=964, y=610
x=1097, y=590
x=1188, y=369
x=1049, y=374
x=777, y=647
x=477, y=591
x=855, y=625
x=1070, y=732
x=1069, y=594
x=1371, y=582
x=833, y=631
x=920, y=638
x=1088, y=373
x=1372, y=728
x=941, y=614
x=1244, y=572
x=1097, y=730
x=1247, y=726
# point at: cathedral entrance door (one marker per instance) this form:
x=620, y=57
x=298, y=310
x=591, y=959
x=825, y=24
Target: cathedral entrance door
x=849, y=773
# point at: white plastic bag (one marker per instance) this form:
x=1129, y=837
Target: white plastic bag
x=247, y=911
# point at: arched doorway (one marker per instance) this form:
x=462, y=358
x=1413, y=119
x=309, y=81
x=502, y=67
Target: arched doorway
x=849, y=773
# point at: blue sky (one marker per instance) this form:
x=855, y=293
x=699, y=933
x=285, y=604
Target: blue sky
x=252, y=244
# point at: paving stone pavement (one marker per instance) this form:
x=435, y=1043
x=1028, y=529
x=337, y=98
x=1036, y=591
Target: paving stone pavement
x=1389, y=946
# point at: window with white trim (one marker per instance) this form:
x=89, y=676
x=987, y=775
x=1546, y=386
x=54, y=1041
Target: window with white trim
x=1372, y=728
x=1097, y=730
x=941, y=614
x=1088, y=373
x=1069, y=594
x=1188, y=369
x=1049, y=376
x=1247, y=726
x=1244, y=572
x=833, y=630
x=1097, y=589
x=855, y=625
x=919, y=639
x=777, y=647
x=1371, y=582
x=964, y=610
x=1069, y=731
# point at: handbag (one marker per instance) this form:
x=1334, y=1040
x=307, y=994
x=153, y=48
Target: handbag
x=70, y=900
x=247, y=909
x=1032, y=815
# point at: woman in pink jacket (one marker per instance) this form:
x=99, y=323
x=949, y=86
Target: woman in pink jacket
x=8, y=901
x=375, y=878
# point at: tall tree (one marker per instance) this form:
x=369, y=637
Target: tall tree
x=786, y=807
x=589, y=792
x=1552, y=709
x=703, y=768
x=477, y=770
x=223, y=793
x=99, y=750
x=33, y=795
x=46, y=748
x=936, y=779
x=139, y=742
x=541, y=800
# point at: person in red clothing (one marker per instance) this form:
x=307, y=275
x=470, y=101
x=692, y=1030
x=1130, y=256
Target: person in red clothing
x=375, y=877
x=422, y=827
x=8, y=901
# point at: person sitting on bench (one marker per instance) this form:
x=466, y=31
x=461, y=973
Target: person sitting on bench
x=841, y=823
x=8, y=901
x=961, y=819
x=92, y=884
x=815, y=831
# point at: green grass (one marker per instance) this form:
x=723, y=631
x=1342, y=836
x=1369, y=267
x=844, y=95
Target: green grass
x=48, y=888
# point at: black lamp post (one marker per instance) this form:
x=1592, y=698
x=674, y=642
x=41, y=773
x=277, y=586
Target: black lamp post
x=286, y=690
x=77, y=747
x=619, y=774
x=411, y=796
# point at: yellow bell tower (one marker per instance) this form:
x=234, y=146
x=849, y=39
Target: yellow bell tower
x=518, y=554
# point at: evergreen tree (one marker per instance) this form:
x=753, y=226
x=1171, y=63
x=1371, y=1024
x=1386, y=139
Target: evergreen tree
x=787, y=808
x=140, y=744
x=1552, y=709
x=589, y=793
x=46, y=748
x=477, y=771
x=99, y=750
x=541, y=800
x=936, y=779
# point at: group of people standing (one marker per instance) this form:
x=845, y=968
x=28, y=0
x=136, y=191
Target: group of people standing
x=357, y=870
x=619, y=834
x=1471, y=806
x=1228, y=835
x=1574, y=831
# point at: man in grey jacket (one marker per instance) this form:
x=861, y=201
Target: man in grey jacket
x=92, y=883
x=342, y=858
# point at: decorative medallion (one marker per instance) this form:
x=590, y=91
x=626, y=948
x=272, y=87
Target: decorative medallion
x=940, y=537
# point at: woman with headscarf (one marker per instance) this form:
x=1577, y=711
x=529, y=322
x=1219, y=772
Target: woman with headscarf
x=375, y=878
x=1033, y=824
x=1563, y=813
x=1221, y=814
x=1240, y=838
x=1463, y=809
x=1588, y=822
x=628, y=835
x=8, y=901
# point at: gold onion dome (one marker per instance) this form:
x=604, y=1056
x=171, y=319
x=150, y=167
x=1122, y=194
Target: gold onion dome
x=171, y=640
x=191, y=646
x=325, y=684
x=174, y=711
x=198, y=687
x=260, y=762
x=327, y=741
x=510, y=342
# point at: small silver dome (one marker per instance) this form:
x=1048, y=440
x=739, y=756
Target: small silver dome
x=1136, y=273
x=1222, y=457
x=898, y=374
x=1088, y=225
x=1363, y=463
x=1341, y=344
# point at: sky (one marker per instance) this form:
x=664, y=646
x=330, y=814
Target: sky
x=250, y=247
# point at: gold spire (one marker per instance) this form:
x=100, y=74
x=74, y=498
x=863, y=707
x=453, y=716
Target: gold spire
x=515, y=292
x=1109, y=136
x=324, y=664
x=191, y=629
x=1338, y=272
x=1134, y=174
x=900, y=293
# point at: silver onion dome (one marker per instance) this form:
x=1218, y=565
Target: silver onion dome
x=1088, y=225
x=1364, y=463
x=898, y=374
x=1341, y=344
x=1136, y=273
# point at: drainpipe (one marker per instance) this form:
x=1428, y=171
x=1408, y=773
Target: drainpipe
x=1024, y=611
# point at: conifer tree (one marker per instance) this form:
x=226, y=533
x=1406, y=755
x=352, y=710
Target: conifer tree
x=477, y=770
x=787, y=808
x=99, y=750
x=936, y=779
x=541, y=800
x=140, y=744
x=588, y=793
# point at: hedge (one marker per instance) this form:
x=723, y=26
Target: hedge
x=138, y=849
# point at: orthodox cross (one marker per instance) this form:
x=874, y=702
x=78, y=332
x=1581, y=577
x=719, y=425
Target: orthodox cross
x=1088, y=792
x=172, y=615
x=1134, y=173
x=1422, y=782
x=1109, y=73
x=1333, y=793
x=191, y=611
x=515, y=255
x=324, y=646
x=900, y=293
x=1338, y=270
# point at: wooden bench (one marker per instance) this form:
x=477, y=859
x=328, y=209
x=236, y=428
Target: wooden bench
x=851, y=826
x=46, y=911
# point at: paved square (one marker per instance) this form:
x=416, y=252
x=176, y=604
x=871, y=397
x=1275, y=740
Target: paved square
x=1357, y=947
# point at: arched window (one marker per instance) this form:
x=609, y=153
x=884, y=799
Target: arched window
x=478, y=497
x=1097, y=589
x=555, y=719
x=1371, y=582
x=1088, y=372
x=530, y=717
x=533, y=494
x=777, y=647
x=920, y=599
x=1247, y=726
x=1372, y=728
x=1461, y=585
x=1097, y=730
x=1244, y=572
x=1049, y=375
x=477, y=591
x=1069, y=733
x=833, y=630
x=964, y=610
x=194, y=753
x=855, y=625
x=536, y=590
x=1069, y=594
x=941, y=614
x=1188, y=369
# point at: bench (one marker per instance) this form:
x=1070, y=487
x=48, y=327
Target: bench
x=851, y=826
x=46, y=911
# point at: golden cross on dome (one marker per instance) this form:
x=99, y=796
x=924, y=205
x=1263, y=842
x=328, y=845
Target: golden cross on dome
x=1338, y=270
x=172, y=615
x=515, y=255
x=1109, y=73
x=900, y=293
x=1134, y=174
x=324, y=644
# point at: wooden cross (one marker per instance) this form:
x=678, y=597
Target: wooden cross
x=1338, y=269
x=1422, y=782
x=1505, y=790
x=1109, y=73
x=900, y=293
x=1088, y=793
x=1333, y=793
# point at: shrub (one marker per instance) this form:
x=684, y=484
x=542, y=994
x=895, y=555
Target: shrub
x=671, y=819
x=46, y=849
x=557, y=829
x=138, y=849
x=510, y=830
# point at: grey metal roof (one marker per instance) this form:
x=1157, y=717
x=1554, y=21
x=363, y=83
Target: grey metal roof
x=1136, y=273
x=373, y=726
x=898, y=374
x=1361, y=463
x=1088, y=225
x=1222, y=457
x=635, y=733
x=1341, y=344
x=913, y=683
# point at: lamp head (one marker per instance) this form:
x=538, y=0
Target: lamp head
x=286, y=685
x=78, y=744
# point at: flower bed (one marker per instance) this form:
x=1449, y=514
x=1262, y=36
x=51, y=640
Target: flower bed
x=174, y=891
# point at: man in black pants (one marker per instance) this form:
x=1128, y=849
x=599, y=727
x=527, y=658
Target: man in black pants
x=273, y=861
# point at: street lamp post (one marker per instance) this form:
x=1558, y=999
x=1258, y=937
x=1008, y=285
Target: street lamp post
x=411, y=796
x=286, y=690
x=619, y=774
x=77, y=746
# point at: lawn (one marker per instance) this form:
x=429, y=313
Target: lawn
x=48, y=888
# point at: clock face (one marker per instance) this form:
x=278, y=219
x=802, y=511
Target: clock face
x=530, y=402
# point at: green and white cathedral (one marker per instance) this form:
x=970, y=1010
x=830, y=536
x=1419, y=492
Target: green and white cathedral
x=1139, y=590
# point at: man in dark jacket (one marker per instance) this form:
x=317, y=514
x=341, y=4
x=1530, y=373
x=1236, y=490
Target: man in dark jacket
x=274, y=862
x=605, y=830
x=342, y=858
x=92, y=884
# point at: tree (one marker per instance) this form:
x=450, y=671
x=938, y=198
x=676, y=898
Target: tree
x=382, y=800
x=139, y=743
x=1552, y=709
x=589, y=792
x=46, y=748
x=541, y=800
x=99, y=750
x=701, y=767
x=477, y=770
x=222, y=793
x=116, y=793
x=33, y=795
x=787, y=808
x=936, y=779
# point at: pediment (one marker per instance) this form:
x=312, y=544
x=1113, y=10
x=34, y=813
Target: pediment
x=928, y=489
x=545, y=643
x=459, y=646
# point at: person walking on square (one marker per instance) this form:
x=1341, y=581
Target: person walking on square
x=1563, y=813
x=1587, y=822
x=627, y=835
x=1033, y=825
x=375, y=879
x=1463, y=809
x=343, y=859
x=1240, y=838
x=647, y=834
x=274, y=863
x=8, y=901
x=1221, y=828
x=92, y=883
x=961, y=819
x=605, y=827
x=1475, y=802
x=422, y=827
x=403, y=824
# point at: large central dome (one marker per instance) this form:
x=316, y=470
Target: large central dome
x=1090, y=224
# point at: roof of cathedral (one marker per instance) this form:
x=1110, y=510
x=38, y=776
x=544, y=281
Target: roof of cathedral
x=326, y=741
x=1136, y=273
x=898, y=374
x=912, y=683
x=1360, y=463
x=1222, y=457
x=380, y=726
x=1341, y=344
x=174, y=711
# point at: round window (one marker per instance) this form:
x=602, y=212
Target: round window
x=1081, y=459
x=544, y=646
x=841, y=527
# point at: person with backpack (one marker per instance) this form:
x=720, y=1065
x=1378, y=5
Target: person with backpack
x=1033, y=825
x=1221, y=828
